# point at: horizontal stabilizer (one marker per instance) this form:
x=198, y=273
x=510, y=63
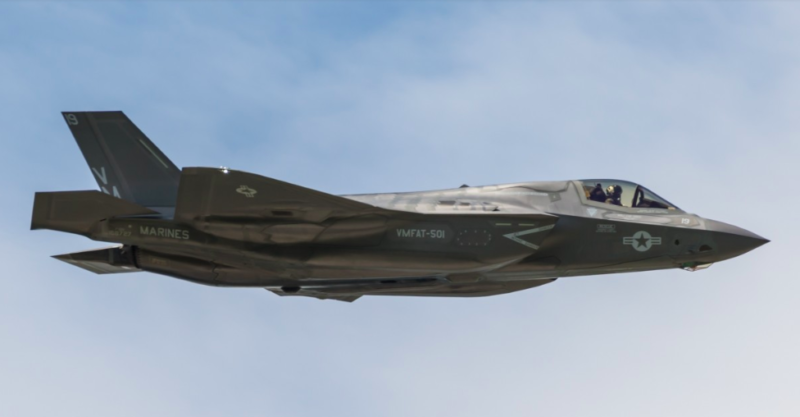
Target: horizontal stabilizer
x=77, y=211
x=223, y=193
x=101, y=261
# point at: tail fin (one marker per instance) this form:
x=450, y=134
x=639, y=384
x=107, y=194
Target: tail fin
x=125, y=163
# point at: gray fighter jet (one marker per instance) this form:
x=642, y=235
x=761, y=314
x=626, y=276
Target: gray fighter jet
x=217, y=226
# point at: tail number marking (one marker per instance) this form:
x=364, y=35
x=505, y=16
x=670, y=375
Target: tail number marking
x=72, y=120
x=101, y=175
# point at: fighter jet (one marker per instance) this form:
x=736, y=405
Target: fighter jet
x=222, y=227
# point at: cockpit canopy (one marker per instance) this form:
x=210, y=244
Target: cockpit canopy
x=624, y=194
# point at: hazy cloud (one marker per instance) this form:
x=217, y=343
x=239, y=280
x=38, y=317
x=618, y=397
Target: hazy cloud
x=695, y=100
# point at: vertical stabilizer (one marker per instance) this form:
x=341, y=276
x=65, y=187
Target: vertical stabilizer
x=125, y=163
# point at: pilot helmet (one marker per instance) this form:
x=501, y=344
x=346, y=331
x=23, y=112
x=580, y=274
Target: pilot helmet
x=610, y=190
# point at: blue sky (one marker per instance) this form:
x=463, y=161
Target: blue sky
x=696, y=100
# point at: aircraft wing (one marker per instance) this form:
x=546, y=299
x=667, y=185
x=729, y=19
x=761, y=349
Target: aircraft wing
x=221, y=193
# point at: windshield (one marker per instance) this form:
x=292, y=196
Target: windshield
x=624, y=194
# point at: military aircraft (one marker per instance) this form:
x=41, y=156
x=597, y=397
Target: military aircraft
x=222, y=227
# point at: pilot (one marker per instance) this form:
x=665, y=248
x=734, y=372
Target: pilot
x=614, y=195
x=597, y=194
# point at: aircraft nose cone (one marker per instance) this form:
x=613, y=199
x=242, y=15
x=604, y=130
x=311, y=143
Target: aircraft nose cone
x=731, y=240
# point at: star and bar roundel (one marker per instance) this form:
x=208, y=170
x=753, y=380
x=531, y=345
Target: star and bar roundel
x=641, y=241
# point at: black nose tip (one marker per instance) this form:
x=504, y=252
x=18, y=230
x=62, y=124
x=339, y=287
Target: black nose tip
x=731, y=240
